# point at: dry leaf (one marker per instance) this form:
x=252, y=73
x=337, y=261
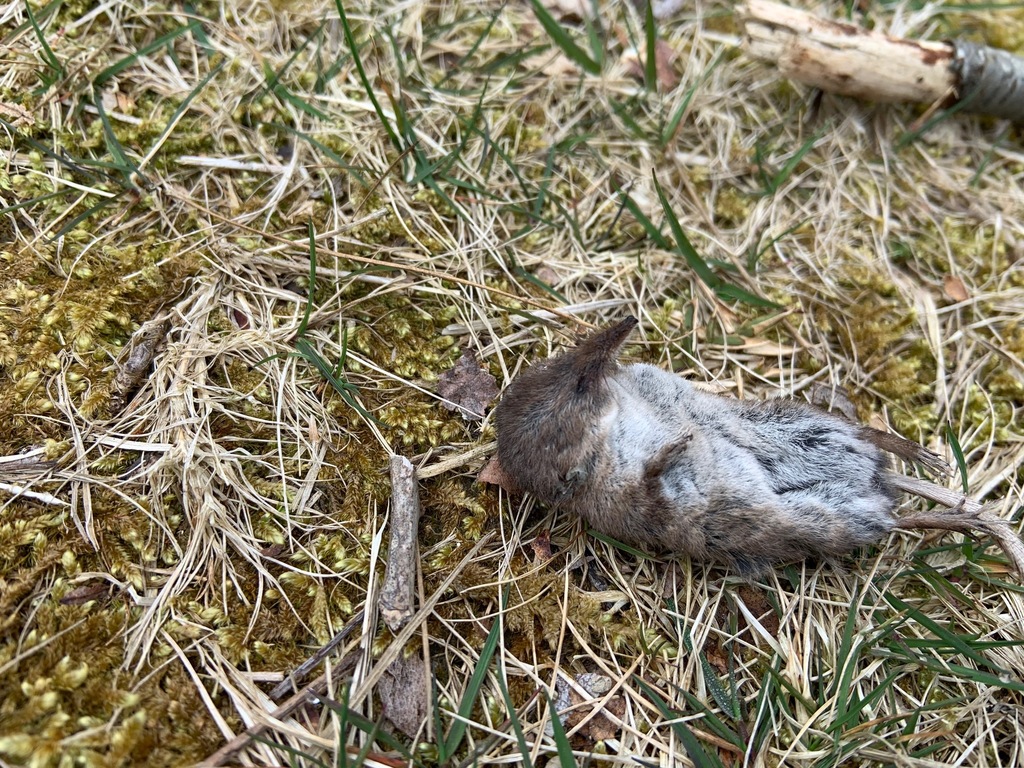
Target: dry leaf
x=125, y=103
x=541, y=547
x=598, y=727
x=240, y=318
x=467, y=387
x=765, y=348
x=664, y=55
x=134, y=364
x=955, y=288
x=86, y=593
x=403, y=694
x=494, y=474
x=718, y=653
x=15, y=113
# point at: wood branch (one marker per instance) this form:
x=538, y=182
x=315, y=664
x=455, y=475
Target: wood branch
x=398, y=593
x=851, y=61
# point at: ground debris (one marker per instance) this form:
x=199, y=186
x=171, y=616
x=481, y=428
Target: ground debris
x=467, y=387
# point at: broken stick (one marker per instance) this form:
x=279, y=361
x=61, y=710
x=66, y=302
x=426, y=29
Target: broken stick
x=398, y=593
x=852, y=61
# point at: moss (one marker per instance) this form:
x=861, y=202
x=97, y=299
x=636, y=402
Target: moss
x=69, y=683
x=733, y=207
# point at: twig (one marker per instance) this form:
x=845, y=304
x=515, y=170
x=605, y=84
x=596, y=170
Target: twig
x=852, y=61
x=398, y=593
x=290, y=683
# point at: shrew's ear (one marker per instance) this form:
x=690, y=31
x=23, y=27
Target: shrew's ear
x=596, y=355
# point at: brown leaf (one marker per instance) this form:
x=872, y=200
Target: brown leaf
x=765, y=347
x=125, y=103
x=542, y=547
x=403, y=694
x=494, y=474
x=599, y=727
x=134, y=362
x=240, y=318
x=664, y=55
x=85, y=593
x=467, y=388
x=955, y=288
x=757, y=601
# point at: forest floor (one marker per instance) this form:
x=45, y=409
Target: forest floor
x=240, y=244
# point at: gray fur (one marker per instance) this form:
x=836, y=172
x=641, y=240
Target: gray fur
x=647, y=458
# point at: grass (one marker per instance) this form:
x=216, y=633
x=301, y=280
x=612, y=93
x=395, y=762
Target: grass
x=329, y=201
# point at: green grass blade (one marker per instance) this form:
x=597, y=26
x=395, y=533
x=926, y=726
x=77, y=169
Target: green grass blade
x=958, y=454
x=725, y=702
x=987, y=159
x=561, y=38
x=619, y=545
x=735, y=293
x=299, y=757
x=127, y=61
x=12, y=33
x=357, y=172
x=694, y=260
x=396, y=142
x=683, y=245
x=443, y=165
x=476, y=681
x=696, y=753
x=121, y=161
x=176, y=115
x=468, y=55
x=942, y=115
x=202, y=39
x=281, y=91
x=347, y=390
x=787, y=170
x=651, y=64
x=652, y=230
x=33, y=201
x=953, y=641
x=846, y=665
x=81, y=217
x=348, y=717
x=595, y=33
x=78, y=166
x=755, y=253
x=55, y=70
x=565, y=756
x=513, y=718
x=714, y=723
x=669, y=131
x=531, y=278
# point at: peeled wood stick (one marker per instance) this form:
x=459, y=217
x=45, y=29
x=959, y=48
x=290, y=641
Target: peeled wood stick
x=851, y=61
x=398, y=593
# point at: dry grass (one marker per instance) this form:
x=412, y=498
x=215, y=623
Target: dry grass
x=166, y=564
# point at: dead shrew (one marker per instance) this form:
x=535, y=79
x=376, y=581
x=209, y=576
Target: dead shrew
x=645, y=457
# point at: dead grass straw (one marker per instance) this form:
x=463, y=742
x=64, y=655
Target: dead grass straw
x=182, y=546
